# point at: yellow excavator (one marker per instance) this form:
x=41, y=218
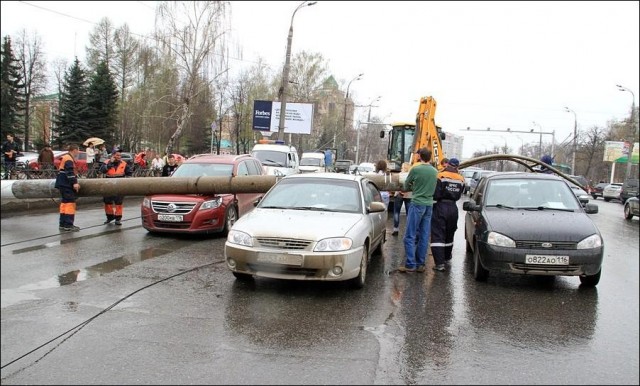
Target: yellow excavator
x=406, y=138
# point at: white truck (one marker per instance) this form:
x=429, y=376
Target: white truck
x=277, y=158
x=312, y=162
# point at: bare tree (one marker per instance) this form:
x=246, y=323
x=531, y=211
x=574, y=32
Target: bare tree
x=101, y=47
x=124, y=63
x=32, y=64
x=193, y=32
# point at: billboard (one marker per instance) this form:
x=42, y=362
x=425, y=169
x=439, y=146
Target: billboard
x=616, y=151
x=298, y=119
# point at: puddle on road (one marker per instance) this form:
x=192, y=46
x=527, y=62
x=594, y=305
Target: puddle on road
x=15, y=295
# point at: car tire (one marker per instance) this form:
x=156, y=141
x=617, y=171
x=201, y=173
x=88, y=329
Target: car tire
x=230, y=218
x=607, y=199
x=359, y=281
x=594, y=196
x=627, y=212
x=243, y=276
x=590, y=280
x=479, y=272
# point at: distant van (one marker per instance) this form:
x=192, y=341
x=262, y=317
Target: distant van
x=312, y=162
x=278, y=159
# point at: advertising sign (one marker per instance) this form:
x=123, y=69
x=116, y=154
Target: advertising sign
x=298, y=119
x=616, y=151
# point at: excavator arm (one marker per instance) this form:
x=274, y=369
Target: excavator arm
x=428, y=134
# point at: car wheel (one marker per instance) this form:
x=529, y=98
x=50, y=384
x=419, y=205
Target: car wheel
x=230, y=218
x=627, y=212
x=607, y=199
x=243, y=276
x=591, y=280
x=594, y=196
x=359, y=281
x=479, y=272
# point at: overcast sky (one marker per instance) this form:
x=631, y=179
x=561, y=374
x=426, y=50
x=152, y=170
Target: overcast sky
x=487, y=64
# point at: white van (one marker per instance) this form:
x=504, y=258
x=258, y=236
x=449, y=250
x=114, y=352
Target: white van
x=312, y=162
x=278, y=159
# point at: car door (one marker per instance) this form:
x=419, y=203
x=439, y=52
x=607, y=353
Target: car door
x=473, y=218
x=377, y=220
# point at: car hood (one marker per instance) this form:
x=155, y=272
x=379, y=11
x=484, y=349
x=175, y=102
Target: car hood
x=296, y=224
x=183, y=197
x=540, y=224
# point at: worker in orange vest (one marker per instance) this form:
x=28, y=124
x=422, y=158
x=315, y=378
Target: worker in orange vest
x=115, y=167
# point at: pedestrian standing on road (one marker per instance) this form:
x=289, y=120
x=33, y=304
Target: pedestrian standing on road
x=400, y=198
x=443, y=164
x=45, y=158
x=156, y=165
x=381, y=169
x=10, y=149
x=328, y=160
x=170, y=167
x=444, y=222
x=116, y=167
x=421, y=181
x=91, y=155
x=67, y=184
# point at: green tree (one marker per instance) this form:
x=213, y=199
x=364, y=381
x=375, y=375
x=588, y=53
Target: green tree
x=102, y=100
x=74, y=115
x=12, y=91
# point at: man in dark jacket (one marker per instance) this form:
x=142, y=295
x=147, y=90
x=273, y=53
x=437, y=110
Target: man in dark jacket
x=67, y=184
x=444, y=221
x=10, y=150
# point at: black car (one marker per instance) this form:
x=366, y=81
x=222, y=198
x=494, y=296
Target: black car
x=629, y=189
x=532, y=224
x=596, y=191
x=342, y=166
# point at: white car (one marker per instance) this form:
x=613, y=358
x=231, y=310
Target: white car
x=612, y=192
x=312, y=226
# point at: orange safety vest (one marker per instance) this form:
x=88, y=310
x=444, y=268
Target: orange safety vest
x=64, y=159
x=117, y=171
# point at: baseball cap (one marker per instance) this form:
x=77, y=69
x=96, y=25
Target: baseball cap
x=454, y=162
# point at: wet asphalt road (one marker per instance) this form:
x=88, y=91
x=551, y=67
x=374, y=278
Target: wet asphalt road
x=110, y=305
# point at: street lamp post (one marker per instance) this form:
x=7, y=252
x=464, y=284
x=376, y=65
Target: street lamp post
x=368, y=123
x=540, y=147
x=575, y=139
x=285, y=73
x=632, y=132
x=344, y=119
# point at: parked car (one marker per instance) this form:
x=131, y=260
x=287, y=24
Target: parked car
x=477, y=175
x=467, y=173
x=202, y=213
x=597, y=190
x=343, y=166
x=81, y=161
x=317, y=226
x=631, y=208
x=312, y=162
x=580, y=193
x=612, y=192
x=584, y=184
x=532, y=224
x=629, y=189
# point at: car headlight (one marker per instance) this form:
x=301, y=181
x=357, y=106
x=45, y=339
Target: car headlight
x=211, y=204
x=240, y=238
x=333, y=244
x=146, y=202
x=593, y=241
x=500, y=240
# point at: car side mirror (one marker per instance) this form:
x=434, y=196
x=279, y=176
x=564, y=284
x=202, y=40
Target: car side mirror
x=470, y=206
x=591, y=208
x=376, y=207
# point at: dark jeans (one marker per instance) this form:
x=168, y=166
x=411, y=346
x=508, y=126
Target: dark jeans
x=397, y=207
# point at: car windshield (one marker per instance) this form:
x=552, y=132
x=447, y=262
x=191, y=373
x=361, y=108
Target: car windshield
x=203, y=169
x=530, y=193
x=271, y=157
x=314, y=194
x=309, y=162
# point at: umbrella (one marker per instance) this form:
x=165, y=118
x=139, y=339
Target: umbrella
x=95, y=140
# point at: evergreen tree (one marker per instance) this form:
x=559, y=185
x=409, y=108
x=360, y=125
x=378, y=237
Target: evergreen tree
x=102, y=100
x=73, y=120
x=12, y=91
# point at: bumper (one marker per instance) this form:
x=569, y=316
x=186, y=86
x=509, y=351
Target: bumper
x=293, y=265
x=512, y=260
x=199, y=222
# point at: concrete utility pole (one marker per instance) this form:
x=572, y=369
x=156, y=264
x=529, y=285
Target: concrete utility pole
x=632, y=133
x=575, y=139
x=285, y=73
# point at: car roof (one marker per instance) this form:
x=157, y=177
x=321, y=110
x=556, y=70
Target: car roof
x=520, y=175
x=217, y=158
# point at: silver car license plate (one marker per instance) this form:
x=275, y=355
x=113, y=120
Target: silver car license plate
x=170, y=217
x=277, y=258
x=547, y=259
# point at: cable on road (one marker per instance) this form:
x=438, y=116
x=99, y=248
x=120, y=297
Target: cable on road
x=80, y=326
